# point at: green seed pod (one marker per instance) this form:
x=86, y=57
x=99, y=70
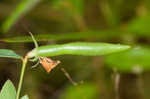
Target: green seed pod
x=78, y=48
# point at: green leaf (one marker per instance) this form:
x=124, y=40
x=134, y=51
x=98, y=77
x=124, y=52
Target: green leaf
x=134, y=60
x=8, y=90
x=84, y=91
x=78, y=48
x=140, y=25
x=9, y=54
x=22, y=8
x=102, y=35
x=25, y=97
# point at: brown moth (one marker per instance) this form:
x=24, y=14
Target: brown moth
x=48, y=64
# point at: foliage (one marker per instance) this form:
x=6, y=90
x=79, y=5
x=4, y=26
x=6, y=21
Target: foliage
x=65, y=36
x=9, y=54
x=87, y=91
x=21, y=9
x=87, y=24
x=134, y=60
x=8, y=91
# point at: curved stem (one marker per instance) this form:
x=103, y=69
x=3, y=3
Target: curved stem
x=21, y=77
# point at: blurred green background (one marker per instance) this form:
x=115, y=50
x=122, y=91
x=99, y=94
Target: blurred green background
x=63, y=21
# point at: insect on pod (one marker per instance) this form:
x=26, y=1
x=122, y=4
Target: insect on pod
x=76, y=48
x=48, y=63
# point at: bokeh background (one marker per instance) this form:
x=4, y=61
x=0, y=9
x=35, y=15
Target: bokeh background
x=123, y=75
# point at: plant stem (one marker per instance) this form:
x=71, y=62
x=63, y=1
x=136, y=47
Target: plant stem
x=116, y=84
x=21, y=77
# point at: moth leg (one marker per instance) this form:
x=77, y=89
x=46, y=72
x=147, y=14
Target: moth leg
x=35, y=65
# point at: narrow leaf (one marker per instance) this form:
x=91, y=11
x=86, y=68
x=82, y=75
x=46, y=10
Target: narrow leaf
x=65, y=36
x=8, y=91
x=21, y=10
x=25, y=97
x=134, y=60
x=78, y=48
x=9, y=54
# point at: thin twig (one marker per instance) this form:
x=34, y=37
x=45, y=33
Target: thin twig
x=69, y=77
x=116, y=84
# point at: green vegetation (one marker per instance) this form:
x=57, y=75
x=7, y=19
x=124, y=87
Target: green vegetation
x=101, y=44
